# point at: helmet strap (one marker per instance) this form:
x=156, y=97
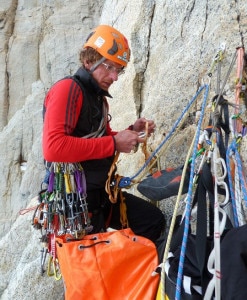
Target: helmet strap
x=96, y=64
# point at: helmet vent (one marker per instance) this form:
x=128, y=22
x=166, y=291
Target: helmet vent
x=114, y=49
x=91, y=34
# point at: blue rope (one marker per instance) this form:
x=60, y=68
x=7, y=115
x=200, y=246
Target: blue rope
x=240, y=172
x=234, y=149
x=189, y=198
x=126, y=181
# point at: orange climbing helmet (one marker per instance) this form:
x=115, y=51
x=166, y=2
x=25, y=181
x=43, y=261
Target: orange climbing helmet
x=110, y=43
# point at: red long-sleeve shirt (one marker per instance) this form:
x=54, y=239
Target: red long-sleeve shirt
x=63, y=104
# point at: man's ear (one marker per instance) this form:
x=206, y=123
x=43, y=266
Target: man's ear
x=87, y=64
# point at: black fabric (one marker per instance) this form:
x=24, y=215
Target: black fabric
x=161, y=241
x=198, y=246
x=171, y=292
x=91, y=113
x=99, y=208
x=234, y=264
x=193, y=266
x=191, y=269
x=96, y=171
x=144, y=218
x=163, y=184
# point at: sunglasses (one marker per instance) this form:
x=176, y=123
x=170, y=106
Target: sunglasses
x=111, y=68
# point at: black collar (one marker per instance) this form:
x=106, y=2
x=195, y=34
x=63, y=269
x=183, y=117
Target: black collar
x=87, y=79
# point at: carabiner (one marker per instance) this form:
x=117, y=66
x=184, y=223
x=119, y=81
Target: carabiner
x=53, y=268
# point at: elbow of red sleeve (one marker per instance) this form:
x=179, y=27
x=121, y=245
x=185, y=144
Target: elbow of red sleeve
x=114, y=143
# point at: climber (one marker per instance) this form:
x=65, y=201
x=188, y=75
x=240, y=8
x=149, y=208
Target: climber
x=77, y=129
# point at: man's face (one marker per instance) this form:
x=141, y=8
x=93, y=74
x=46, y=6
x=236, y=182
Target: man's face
x=106, y=73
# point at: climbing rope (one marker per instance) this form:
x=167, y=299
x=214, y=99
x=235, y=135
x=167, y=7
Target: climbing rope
x=231, y=168
x=173, y=221
x=218, y=58
x=233, y=157
x=126, y=181
x=114, y=191
x=189, y=199
x=237, y=184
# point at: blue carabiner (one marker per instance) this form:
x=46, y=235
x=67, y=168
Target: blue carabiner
x=124, y=182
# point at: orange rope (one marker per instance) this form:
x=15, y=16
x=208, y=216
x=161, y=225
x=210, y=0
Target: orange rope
x=145, y=150
x=27, y=210
x=144, y=145
x=238, y=88
x=114, y=190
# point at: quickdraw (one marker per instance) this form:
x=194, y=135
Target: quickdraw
x=62, y=209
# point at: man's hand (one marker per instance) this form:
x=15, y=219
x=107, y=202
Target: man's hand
x=142, y=124
x=126, y=140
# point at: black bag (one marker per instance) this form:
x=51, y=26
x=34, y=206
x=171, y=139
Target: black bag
x=234, y=264
x=195, y=275
x=163, y=184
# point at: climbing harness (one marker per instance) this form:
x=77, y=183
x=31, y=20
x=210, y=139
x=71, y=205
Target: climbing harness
x=62, y=209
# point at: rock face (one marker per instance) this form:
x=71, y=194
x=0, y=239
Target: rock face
x=173, y=44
